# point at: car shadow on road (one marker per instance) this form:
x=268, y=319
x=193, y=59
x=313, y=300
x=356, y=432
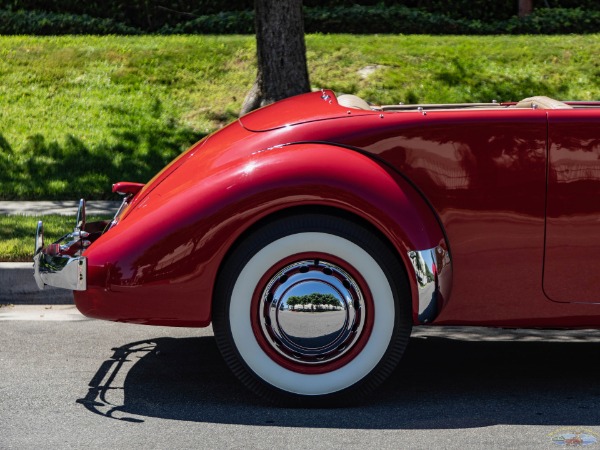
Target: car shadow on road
x=442, y=383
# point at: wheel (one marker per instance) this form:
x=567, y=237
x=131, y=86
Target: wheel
x=312, y=310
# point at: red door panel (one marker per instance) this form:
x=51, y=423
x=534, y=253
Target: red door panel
x=571, y=262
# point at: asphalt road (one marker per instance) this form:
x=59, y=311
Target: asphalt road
x=70, y=382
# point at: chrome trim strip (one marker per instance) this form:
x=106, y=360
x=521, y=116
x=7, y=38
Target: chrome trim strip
x=428, y=265
x=124, y=203
x=39, y=245
x=80, y=221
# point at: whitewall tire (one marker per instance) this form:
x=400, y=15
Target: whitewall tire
x=312, y=310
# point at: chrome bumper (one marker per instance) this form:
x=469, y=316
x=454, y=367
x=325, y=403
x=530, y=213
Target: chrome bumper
x=63, y=271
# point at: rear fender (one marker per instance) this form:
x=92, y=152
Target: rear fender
x=280, y=180
x=166, y=254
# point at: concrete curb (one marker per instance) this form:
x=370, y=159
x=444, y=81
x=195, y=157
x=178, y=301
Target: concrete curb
x=17, y=287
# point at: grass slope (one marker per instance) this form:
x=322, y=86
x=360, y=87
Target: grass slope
x=17, y=234
x=78, y=113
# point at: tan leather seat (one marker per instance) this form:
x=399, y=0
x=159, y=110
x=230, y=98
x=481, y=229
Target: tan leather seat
x=542, y=102
x=352, y=101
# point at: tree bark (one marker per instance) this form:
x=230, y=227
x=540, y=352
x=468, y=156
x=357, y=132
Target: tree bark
x=280, y=51
x=525, y=7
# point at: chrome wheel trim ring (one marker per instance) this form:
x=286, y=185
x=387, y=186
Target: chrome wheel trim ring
x=274, y=374
x=312, y=312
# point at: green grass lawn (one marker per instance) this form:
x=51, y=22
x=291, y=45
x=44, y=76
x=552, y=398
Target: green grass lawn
x=17, y=234
x=78, y=113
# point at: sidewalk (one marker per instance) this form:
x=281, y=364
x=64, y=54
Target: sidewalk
x=17, y=285
x=57, y=207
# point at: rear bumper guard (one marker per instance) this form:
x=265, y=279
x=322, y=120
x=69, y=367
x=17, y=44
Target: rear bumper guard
x=52, y=268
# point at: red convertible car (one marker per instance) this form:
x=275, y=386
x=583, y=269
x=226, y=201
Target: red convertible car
x=316, y=232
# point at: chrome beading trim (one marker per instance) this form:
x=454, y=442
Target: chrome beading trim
x=80, y=220
x=312, y=312
x=39, y=245
x=428, y=266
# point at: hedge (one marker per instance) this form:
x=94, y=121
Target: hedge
x=42, y=23
x=152, y=15
x=145, y=15
x=355, y=19
x=380, y=19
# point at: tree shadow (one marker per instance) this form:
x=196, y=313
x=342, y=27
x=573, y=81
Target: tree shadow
x=50, y=170
x=442, y=383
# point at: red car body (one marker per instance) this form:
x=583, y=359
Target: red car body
x=505, y=198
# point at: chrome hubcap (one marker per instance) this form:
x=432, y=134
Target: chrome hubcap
x=312, y=312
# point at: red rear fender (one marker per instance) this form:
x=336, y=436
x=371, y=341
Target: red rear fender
x=167, y=253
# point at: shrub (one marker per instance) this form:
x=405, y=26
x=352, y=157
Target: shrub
x=354, y=19
x=146, y=15
x=231, y=22
x=359, y=19
x=151, y=15
x=556, y=21
x=43, y=23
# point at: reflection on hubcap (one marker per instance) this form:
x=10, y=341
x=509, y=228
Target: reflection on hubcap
x=312, y=312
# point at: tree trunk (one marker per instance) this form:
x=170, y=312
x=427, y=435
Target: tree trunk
x=525, y=7
x=280, y=51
